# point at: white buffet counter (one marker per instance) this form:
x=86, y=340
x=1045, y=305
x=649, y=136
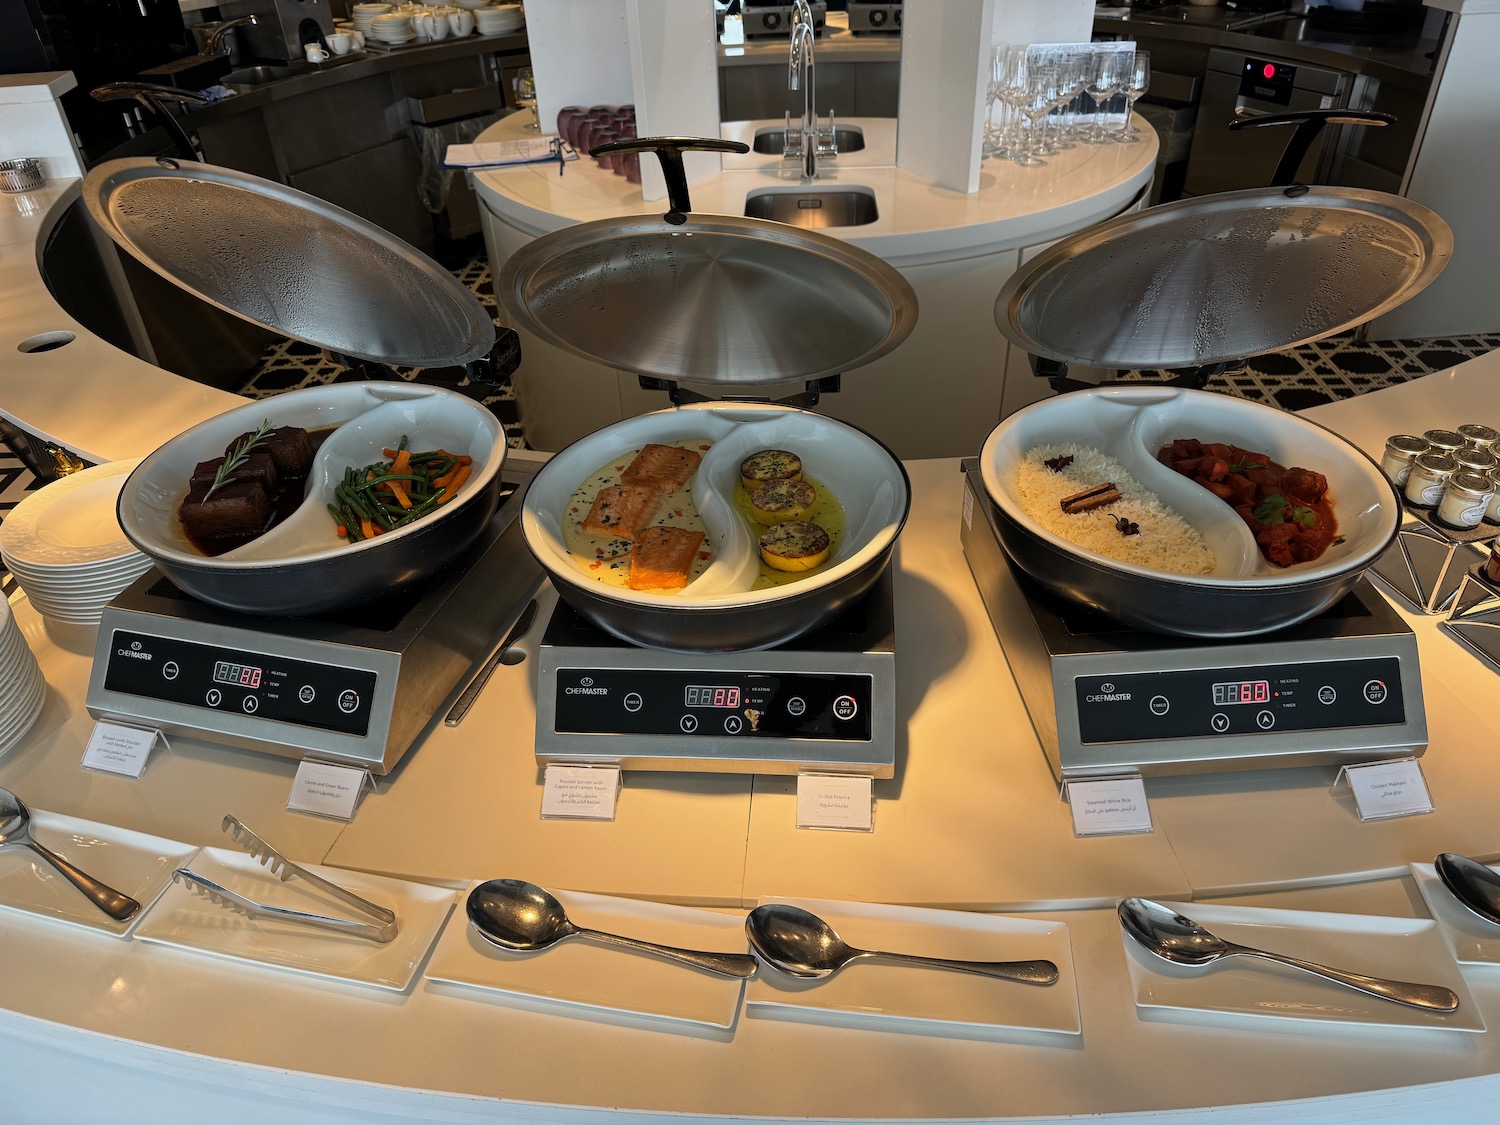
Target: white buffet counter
x=91, y=1025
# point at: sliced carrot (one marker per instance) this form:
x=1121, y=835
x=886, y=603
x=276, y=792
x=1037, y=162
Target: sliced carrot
x=367, y=529
x=401, y=497
x=455, y=482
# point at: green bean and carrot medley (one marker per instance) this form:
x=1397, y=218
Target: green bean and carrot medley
x=393, y=493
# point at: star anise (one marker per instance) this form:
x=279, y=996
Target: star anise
x=1058, y=464
x=1126, y=527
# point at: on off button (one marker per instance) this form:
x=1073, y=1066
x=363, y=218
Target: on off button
x=845, y=708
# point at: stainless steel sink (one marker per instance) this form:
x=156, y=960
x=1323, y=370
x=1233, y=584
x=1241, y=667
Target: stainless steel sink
x=771, y=140
x=816, y=207
x=259, y=75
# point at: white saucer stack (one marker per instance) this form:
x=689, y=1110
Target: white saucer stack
x=393, y=28
x=498, y=20
x=364, y=16
x=65, y=548
x=22, y=689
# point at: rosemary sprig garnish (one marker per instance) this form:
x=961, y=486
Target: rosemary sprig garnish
x=237, y=457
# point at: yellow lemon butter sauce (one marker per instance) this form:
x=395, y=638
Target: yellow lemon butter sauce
x=828, y=514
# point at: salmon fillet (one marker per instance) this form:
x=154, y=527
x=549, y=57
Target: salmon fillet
x=667, y=465
x=623, y=509
x=661, y=557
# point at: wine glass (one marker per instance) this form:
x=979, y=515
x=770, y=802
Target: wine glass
x=524, y=85
x=1106, y=78
x=1041, y=90
x=1136, y=83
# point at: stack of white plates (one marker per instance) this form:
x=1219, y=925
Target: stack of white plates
x=22, y=689
x=65, y=547
x=499, y=20
x=364, y=16
x=393, y=28
x=473, y=3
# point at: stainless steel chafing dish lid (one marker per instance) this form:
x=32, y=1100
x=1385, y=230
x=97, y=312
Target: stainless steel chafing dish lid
x=710, y=299
x=289, y=262
x=1223, y=277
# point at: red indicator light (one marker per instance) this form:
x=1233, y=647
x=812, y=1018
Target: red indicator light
x=1269, y=70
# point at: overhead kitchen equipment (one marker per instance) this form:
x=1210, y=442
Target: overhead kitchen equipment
x=359, y=678
x=1193, y=287
x=874, y=17
x=772, y=19
x=770, y=682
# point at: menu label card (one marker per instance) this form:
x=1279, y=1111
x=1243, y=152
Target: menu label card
x=835, y=801
x=116, y=748
x=580, y=792
x=1386, y=789
x=323, y=789
x=1110, y=806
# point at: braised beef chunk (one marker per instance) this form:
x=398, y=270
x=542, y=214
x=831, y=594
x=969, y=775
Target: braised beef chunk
x=257, y=467
x=235, y=511
x=288, y=446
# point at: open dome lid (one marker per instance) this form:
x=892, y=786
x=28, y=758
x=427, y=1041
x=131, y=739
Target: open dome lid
x=717, y=300
x=289, y=262
x=1223, y=277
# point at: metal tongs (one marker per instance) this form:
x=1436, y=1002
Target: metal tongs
x=285, y=869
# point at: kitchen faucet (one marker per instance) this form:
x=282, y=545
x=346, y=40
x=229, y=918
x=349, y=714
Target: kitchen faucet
x=800, y=76
x=214, y=44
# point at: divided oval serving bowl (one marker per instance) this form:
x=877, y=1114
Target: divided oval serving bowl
x=718, y=612
x=1244, y=595
x=301, y=566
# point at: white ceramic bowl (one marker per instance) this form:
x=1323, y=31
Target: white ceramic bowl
x=301, y=566
x=719, y=610
x=1130, y=424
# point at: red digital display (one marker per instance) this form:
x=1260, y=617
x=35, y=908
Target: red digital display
x=1249, y=691
x=696, y=695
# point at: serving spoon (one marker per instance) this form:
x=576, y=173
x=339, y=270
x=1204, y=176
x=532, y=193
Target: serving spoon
x=1476, y=887
x=801, y=944
x=1176, y=938
x=521, y=916
x=15, y=828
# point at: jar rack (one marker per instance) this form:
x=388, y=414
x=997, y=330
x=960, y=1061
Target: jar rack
x=1427, y=563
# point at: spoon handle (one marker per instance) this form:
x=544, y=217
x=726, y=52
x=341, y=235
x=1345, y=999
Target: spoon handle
x=1025, y=972
x=119, y=907
x=1432, y=997
x=725, y=964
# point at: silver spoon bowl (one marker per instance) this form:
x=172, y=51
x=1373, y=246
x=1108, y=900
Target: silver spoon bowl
x=522, y=917
x=1474, y=884
x=801, y=944
x=1176, y=938
x=15, y=828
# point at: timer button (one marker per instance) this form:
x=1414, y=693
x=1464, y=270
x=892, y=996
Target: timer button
x=1326, y=694
x=1159, y=705
x=796, y=705
x=250, y=704
x=1375, y=692
x=1265, y=720
x=214, y=697
x=1220, y=722
x=633, y=701
x=169, y=670
x=688, y=723
x=348, y=701
x=733, y=724
x=845, y=708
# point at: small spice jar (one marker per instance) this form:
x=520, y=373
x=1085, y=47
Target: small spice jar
x=1444, y=441
x=1492, y=564
x=1400, y=451
x=1429, y=475
x=1465, y=497
x=1492, y=509
x=1471, y=457
x=1480, y=437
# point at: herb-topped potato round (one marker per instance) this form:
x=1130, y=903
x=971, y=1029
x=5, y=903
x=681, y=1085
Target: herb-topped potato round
x=783, y=500
x=794, y=545
x=769, y=465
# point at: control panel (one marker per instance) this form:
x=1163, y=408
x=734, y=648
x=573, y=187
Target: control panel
x=1261, y=699
x=252, y=684
x=1268, y=81
x=635, y=701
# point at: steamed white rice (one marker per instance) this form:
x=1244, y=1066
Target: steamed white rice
x=1166, y=541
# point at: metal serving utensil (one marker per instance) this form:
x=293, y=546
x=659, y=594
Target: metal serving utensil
x=15, y=828
x=1176, y=938
x=223, y=896
x=285, y=869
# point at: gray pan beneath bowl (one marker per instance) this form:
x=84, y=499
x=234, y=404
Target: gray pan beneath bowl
x=288, y=261
x=1223, y=277
x=719, y=300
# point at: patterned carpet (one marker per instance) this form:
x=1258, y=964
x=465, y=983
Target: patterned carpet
x=1337, y=368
